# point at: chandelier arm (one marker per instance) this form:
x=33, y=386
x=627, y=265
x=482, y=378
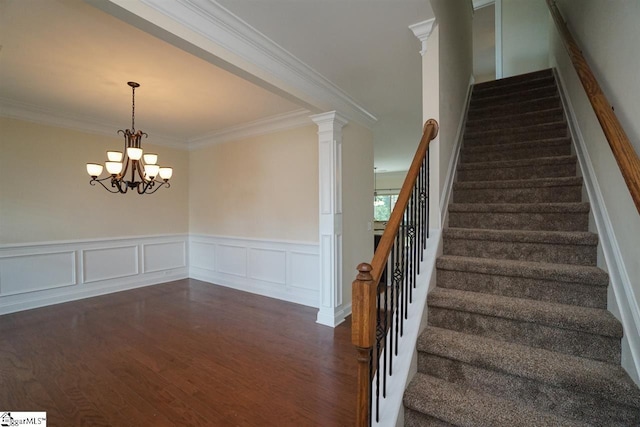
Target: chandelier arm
x=99, y=181
x=157, y=187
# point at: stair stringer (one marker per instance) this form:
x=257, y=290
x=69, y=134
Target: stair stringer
x=447, y=189
x=625, y=306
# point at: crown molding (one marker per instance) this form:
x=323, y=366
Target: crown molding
x=45, y=116
x=215, y=23
x=422, y=30
x=291, y=120
x=36, y=114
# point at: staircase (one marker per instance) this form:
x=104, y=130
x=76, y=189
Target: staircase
x=518, y=332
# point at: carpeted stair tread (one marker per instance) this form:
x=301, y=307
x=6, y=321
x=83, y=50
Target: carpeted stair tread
x=524, y=93
x=514, y=80
x=519, y=183
x=520, y=207
x=579, y=285
x=570, y=317
x=541, y=143
x=585, y=275
x=543, y=167
x=577, y=374
x=519, y=120
x=538, y=131
x=488, y=111
x=462, y=406
x=525, y=236
x=520, y=216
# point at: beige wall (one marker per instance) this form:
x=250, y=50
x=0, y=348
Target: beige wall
x=357, y=202
x=597, y=27
x=454, y=18
x=390, y=180
x=525, y=36
x=263, y=187
x=46, y=196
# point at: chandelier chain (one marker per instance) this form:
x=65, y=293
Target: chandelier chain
x=133, y=110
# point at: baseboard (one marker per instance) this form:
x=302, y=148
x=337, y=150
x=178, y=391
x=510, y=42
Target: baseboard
x=628, y=310
x=453, y=161
x=284, y=270
x=39, y=274
x=335, y=317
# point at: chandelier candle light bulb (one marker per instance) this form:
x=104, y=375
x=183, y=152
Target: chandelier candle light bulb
x=143, y=166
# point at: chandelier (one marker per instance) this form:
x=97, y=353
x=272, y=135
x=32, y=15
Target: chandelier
x=142, y=167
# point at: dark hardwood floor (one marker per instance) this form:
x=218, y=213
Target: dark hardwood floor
x=178, y=354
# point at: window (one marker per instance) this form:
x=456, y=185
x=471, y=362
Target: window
x=383, y=205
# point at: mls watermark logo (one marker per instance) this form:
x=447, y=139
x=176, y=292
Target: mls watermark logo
x=9, y=419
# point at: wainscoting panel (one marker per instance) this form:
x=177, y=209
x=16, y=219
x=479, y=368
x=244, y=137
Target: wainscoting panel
x=232, y=259
x=39, y=274
x=268, y=264
x=109, y=263
x=285, y=270
x=55, y=269
x=164, y=256
x=302, y=267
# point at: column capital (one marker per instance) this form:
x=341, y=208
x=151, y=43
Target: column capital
x=422, y=30
x=329, y=120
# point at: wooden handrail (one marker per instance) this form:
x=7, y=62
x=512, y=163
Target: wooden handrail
x=430, y=131
x=365, y=287
x=623, y=151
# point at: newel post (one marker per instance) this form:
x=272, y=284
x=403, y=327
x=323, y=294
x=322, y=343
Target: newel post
x=363, y=333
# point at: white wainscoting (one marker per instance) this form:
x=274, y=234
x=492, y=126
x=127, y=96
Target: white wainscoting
x=39, y=274
x=279, y=269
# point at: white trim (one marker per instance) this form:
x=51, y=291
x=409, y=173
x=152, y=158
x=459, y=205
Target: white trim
x=87, y=276
x=279, y=269
x=213, y=22
x=290, y=120
x=618, y=276
x=453, y=161
x=331, y=312
x=422, y=30
x=498, y=38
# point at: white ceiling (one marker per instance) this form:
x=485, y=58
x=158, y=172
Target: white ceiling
x=68, y=59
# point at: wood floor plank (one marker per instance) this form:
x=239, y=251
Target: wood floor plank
x=185, y=352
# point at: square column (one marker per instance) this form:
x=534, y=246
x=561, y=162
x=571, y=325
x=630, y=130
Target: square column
x=331, y=311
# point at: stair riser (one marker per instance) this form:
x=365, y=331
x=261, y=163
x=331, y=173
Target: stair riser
x=535, y=252
x=497, y=155
x=510, y=97
x=570, y=193
x=521, y=172
x=597, y=347
x=516, y=108
x=568, y=403
x=523, y=287
x=418, y=419
x=520, y=221
x=499, y=123
x=512, y=88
